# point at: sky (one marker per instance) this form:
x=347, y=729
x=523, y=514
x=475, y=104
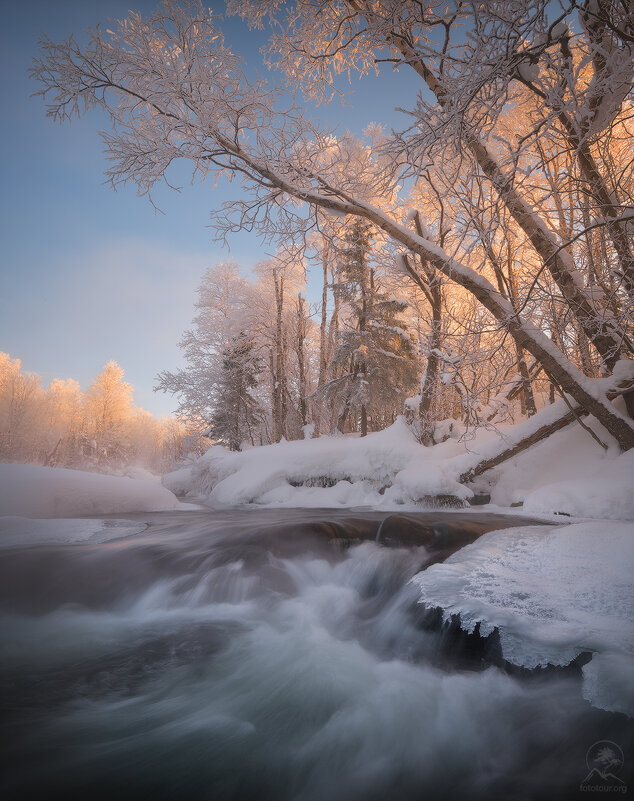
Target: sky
x=88, y=274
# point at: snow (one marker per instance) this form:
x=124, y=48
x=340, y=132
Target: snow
x=179, y=481
x=606, y=493
x=553, y=592
x=569, y=473
x=34, y=491
x=21, y=531
x=385, y=468
x=528, y=71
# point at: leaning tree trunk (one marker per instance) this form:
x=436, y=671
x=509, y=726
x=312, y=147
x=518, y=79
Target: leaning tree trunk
x=601, y=331
x=280, y=377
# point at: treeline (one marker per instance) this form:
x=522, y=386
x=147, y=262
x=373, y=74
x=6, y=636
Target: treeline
x=100, y=429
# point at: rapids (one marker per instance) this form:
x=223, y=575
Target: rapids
x=270, y=655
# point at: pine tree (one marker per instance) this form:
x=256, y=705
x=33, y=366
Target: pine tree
x=237, y=412
x=375, y=362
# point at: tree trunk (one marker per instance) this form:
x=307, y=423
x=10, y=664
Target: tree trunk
x=301, y=357
x=536, y=436
x=364, y=421
x=569, y=415
x=324, y=316
x=600, y=331
x=280, y=377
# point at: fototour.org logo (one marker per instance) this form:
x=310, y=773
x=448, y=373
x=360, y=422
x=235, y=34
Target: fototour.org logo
x=605, y=761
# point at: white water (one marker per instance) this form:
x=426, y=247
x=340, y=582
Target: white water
x=224, y=672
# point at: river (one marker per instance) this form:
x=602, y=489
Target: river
x=271, y=655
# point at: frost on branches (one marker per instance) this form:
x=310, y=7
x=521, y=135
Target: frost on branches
x=520, y=131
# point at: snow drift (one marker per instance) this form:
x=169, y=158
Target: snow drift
x=33, y=491
x=567, y=473
x=384, y=468
x=552, y=592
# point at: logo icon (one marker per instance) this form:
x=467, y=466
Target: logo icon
x=604, y=760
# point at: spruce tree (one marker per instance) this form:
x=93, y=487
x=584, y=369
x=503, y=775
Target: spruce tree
x=237, y=412
x=375, y=362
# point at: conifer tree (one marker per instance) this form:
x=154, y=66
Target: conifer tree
x=237, y=412
x=375, y=362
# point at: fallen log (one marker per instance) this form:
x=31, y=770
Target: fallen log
x=573, y=413
x=522, y=445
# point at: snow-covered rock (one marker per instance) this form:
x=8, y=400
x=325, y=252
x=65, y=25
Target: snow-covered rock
x=553, y=592
x=33, y=491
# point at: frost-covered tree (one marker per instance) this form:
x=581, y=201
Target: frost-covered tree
x=172, y=89
x=224, y=307
x=65, y=418
x=20, y=410
x=237, y=412
x=374, y=363
x=108, y=407
x=61, y=426
x=229, y=305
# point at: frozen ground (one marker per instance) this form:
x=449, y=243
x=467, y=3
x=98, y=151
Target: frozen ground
x=33, y=491
x=553, y=592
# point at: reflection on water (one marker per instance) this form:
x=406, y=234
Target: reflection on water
x=213, y=658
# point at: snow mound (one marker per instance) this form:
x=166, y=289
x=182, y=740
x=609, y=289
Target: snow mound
x=553, y=592
x=568, y=472
x=178, y=481
x=606, y=492
x=33, y=491
x=385, y=468
x=21, y=531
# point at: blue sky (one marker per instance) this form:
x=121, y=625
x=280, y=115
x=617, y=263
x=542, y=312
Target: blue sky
x=88, y=274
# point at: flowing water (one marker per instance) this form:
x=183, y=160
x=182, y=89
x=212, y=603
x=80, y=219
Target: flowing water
x=270, y=655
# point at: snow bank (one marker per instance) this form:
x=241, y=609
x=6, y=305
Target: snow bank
x=605, y=491
x=179, y=481
x=568, y=472
x=22, y=531
x=385, y=468
x=552, y=592
x=34, y=491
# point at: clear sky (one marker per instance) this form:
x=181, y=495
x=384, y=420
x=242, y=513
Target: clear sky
x=88, y=274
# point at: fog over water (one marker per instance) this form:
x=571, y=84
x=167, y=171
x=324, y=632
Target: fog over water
x=241, y=655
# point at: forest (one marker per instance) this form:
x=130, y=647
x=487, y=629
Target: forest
x=476, y=265
x=100, y=429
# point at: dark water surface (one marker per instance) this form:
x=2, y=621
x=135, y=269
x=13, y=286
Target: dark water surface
x=270, y=655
